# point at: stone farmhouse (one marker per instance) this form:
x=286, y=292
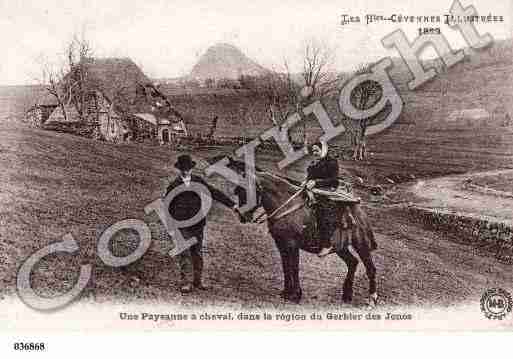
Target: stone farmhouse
x=120, y=104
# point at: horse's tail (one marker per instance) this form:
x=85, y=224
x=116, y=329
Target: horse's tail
x=365, y=227
x=355, y=227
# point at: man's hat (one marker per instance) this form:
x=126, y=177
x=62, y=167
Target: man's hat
x=185, y=163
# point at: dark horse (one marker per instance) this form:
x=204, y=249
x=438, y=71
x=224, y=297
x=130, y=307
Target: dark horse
x=287, y=227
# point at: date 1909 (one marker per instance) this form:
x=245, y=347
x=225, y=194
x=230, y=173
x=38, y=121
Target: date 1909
x=19, y=346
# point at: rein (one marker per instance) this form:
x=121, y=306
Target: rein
x=275, y=212
x=291, y=210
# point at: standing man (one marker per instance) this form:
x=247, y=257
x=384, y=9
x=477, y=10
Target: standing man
x=185, y=206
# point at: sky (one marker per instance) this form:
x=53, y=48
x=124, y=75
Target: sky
x=166, y=38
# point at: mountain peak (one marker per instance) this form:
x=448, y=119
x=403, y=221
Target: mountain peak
x=224, y=45
x=225, y=61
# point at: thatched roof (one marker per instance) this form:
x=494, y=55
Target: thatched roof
x=111, y=76
x=123, y=83
x=114, y=77
x=46, y=100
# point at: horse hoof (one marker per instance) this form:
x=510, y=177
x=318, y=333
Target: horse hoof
x=347, y=297
x=373, y=301
x=294, y=300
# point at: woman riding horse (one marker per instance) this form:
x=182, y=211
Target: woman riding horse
x=323, y=174
x=287, y=214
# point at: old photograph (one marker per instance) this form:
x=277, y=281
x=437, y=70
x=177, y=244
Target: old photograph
x=209, y=165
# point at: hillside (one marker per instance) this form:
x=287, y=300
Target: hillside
x=53, y=184
x=484, y=80
x=16, y=100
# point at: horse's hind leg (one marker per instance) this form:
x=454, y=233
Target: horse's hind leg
x=352, y=263
x=365, y=255
x=296, y=292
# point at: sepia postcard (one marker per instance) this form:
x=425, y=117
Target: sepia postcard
x=226, y=165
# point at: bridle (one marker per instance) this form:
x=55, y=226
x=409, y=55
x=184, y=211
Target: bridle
x=258, y=205
x=275, y=215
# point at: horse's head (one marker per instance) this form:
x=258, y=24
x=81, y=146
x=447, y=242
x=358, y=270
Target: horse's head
x=240, y=192
x=269, y=187
x=240, y=168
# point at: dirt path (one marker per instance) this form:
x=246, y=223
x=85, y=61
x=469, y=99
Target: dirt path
x=451, y=193
x=415, y=267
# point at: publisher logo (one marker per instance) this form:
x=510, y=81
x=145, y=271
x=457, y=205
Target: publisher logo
x=496, y=303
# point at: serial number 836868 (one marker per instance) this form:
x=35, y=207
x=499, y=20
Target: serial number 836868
x=29, y=346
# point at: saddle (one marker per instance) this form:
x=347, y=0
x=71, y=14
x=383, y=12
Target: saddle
x=328, y=207
x=336, y=196
x=343, y=192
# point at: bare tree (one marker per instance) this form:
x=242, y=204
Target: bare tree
x=287, y=93
x=281, y=93
x=213, y=127
x=51, y=79
x=66, y=78
x=363, y=97
x=77, y=83
x=320, y=79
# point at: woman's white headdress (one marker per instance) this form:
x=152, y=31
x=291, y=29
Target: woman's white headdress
x=324, y=148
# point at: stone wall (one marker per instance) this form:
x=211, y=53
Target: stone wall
x=34, y=117
x=469, y=229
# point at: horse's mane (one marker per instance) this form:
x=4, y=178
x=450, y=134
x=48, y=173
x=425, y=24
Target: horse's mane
x=236, y=165
x=288, y=180
x=240, y=166
x=283, y=183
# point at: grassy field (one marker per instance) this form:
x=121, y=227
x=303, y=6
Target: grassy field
x=53, y=184
x=16, y=100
